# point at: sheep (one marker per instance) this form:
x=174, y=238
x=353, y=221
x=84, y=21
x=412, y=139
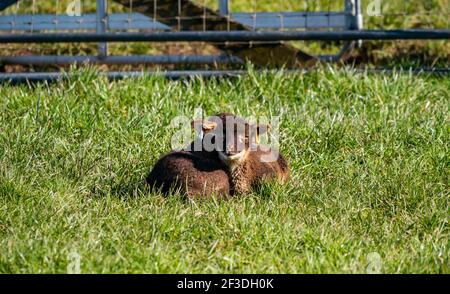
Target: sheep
x=195, y=173
x=231, y=164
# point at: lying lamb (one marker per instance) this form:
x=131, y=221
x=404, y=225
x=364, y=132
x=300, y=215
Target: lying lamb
x=235, y=164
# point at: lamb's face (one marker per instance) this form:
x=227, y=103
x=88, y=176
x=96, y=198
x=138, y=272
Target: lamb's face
x=234, y=139
x=232, y=136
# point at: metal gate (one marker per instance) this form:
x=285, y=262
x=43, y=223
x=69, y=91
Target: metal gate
x=256, y=36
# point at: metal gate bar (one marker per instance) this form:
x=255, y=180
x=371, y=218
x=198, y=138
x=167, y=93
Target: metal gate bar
x=125, y=21
x=111, y=59
x=228, y=36
x=14, y=78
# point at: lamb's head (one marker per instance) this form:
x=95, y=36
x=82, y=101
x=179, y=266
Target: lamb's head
x=232, y=137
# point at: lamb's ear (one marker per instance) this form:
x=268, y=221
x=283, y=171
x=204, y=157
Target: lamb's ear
x=206, y=125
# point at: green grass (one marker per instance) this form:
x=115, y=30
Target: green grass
x=370, y=173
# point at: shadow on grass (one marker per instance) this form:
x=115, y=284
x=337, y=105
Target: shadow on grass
x=136, y=188
x=122, y=189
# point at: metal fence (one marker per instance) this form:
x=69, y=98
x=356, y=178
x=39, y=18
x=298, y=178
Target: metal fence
x=256, y=36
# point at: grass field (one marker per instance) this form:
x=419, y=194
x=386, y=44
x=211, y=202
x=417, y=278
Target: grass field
x=370, y=177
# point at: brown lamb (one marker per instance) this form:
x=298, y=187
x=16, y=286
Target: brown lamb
x=229, y=168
